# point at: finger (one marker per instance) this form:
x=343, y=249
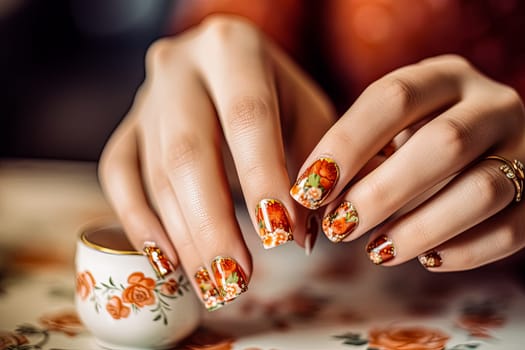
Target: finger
x=436, y=151
x=241, y=85
x=188, y=154
x=496, y=238
x=382, y=111
x=195, y=264
x=472, y=197
x=120, y=176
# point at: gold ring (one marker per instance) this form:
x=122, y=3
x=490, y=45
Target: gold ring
x=514, y=171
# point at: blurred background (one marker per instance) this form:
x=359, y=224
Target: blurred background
x=69, y=70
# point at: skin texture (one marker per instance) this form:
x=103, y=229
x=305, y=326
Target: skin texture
x=223, y=87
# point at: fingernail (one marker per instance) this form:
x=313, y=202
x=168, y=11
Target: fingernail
x=231, y=279
x=274, y=223
x=316, y=183
x=161, y=265
x=430, y=259
x=341, y=222
x=381, y=250
x=312, y=229
x=210, y=295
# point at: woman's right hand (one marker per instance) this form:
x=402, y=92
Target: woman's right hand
x=163, y=168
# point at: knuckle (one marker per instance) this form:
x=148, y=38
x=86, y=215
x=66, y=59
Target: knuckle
x=489, y=185
x=245, y=113
x=223, y=28
x=456, y=61
x=512, y=102
x=181, y=153
x=455, y=136
x=159, y=53
x=401, y=92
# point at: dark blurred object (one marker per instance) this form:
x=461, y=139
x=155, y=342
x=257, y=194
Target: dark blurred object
x=69, y=71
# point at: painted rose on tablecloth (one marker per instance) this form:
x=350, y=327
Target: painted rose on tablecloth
x=66, y=322
x=11, y=340
x=407, y=338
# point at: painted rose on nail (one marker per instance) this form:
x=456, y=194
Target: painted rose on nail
x=230, y=277
x=341, y=222
x=316, y=183
x=273, y=222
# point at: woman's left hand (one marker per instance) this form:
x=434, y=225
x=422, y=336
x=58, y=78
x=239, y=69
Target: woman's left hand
x=436, y=197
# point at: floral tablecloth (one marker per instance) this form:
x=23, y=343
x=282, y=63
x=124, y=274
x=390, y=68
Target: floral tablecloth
x=333, y=299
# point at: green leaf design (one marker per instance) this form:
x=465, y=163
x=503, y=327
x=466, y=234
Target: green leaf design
x=157, y=318
x=314, y=179
x=233, y=278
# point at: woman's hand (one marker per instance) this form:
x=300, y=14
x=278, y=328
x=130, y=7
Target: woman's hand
x=163, y=169
x=436, y=197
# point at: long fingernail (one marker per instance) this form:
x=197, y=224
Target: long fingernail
x=430, y=259
x=341, y=222
x=312, y=230
x=274, y=223
x=316, y=183
x=160, y=263
x=210, y=295
x=231, y=279
x=381, y=250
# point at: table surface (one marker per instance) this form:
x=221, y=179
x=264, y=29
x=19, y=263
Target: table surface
x=333, y=299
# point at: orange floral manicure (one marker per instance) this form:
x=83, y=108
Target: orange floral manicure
x=231, y=279
x=209, y=293
x=316, y=183
x=158, y=260
x=430, y=259
x=341, y=222
x=381, y=250
x=274, y=223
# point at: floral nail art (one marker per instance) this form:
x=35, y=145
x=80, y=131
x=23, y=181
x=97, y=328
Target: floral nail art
x=431, y=259
x=274, y=223
x=231, y=279
x=381, y=250
x=341, y=222
x=211, y=297
x=316, y=183
x=158, y=260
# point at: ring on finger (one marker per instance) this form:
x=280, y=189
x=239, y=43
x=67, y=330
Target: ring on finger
x=514, y=171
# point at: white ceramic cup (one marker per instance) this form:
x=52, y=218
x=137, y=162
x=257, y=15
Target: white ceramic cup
x=120, y=299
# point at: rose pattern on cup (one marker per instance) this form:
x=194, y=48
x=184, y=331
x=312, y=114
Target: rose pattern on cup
x=139, y=293
x=273, y=222
x=210, y=295
x=341, y=222
x=230, y=277
x=316, y=183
